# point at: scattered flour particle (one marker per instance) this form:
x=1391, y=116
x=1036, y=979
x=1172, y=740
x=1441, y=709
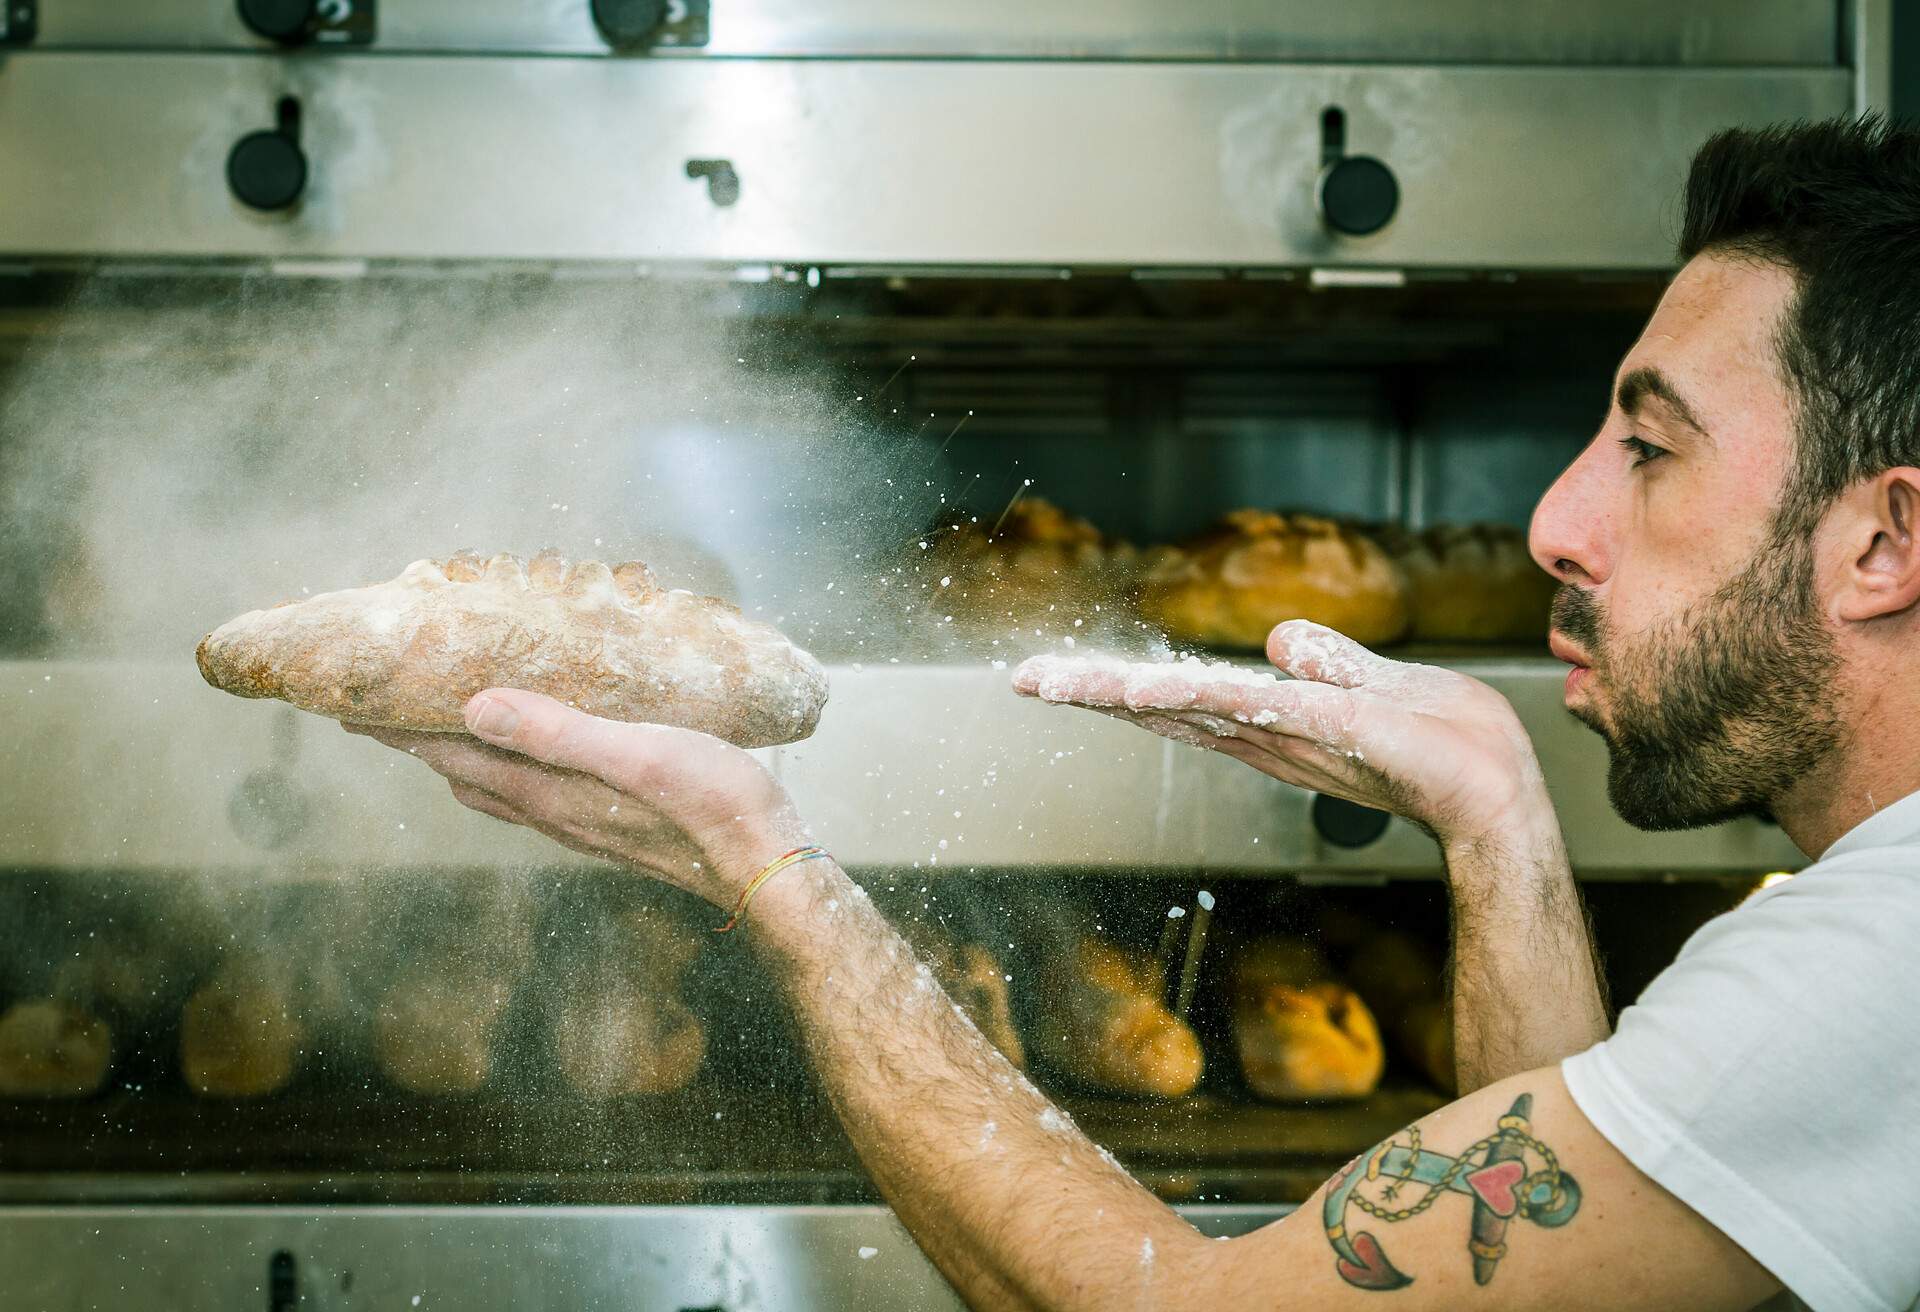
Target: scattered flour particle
x=869, y=1253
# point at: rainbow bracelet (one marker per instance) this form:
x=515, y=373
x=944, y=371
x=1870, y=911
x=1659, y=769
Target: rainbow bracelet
x=767, y=872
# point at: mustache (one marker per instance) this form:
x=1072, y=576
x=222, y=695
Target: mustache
x=1577, y=615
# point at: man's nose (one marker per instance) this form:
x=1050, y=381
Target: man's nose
x=1570, y=536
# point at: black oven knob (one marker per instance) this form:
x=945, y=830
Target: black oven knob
x=628, y=24
x=267, y=169
x=1358, y=195
x=1344, y=823
x=290, y=22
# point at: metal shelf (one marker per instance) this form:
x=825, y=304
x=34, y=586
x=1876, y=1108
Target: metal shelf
x=132, y=766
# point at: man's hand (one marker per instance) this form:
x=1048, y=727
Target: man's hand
x=697, y=812
x=1437, y=747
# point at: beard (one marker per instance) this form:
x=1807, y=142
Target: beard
x=1714, y=713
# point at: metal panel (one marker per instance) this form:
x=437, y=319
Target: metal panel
x=1484, y=31
x=480, y=1259
x=1129, y=165
x=131, y=766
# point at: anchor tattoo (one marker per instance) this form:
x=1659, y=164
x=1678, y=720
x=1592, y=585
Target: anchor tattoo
x=1509, y=1174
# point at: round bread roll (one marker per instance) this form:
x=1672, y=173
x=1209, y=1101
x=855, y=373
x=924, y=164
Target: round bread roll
x=1038, y=568
x=1104, y=1024
x=627, y=1036
x=1472, y=583
x=433, y=1032
x=240, y=1036
x=1301, y=1034
x=407, y=654
x=1230, y=587
x=52, y=1049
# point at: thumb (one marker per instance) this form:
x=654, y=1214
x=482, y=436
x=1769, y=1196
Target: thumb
x=550, y=731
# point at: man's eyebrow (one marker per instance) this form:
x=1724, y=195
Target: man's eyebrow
x=1646, y=381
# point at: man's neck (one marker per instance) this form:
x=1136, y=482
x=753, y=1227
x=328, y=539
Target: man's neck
x=1866, y=774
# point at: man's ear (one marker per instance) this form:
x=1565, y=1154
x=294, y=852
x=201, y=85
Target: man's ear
x=1882, y=573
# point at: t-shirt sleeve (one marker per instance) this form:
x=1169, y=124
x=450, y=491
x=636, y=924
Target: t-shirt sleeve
x=1770, y=1079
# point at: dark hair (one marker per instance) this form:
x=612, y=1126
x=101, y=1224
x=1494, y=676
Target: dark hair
x=1837, y=203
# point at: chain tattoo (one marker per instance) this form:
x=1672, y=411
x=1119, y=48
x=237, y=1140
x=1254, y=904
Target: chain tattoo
x=1508, y=1174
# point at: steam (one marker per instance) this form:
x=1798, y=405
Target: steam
x=174, y=458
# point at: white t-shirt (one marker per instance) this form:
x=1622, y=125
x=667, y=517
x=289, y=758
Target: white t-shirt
x=1770, y=1077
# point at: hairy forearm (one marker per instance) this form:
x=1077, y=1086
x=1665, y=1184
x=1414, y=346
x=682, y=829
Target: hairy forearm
x=1013, y=1203
x=1525, y=982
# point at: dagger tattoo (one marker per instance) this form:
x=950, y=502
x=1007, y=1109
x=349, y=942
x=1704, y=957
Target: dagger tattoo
x=1509, y=1175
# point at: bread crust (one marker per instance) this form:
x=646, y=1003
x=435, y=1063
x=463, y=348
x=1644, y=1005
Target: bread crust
x=408, y=653
x=1230, y=587
x=1039, y=568
x=1472, y=583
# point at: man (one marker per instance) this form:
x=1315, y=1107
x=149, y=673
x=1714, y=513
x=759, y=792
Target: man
x=1741, y=576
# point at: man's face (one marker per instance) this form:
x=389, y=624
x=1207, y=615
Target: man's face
x=1698, y=648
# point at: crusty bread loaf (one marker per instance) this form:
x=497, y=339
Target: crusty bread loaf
x=974, y=978
x=407, y=654
x=621, y=1027
x=1103, y=1023
x=1471, y=583
x=434, y=1030
x=1300, y=1033
x=50, y=1048
x=1037, y=568
x=1230, y=587
x=240, y=1033
x=1401, y=979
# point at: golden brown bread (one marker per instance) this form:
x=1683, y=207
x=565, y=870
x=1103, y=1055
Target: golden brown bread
x=1471, y=583
x=1400, y=977
x=1104, y=1024
x=434, y=1030
x=974, y=978
x=50, y=1048
x=1300, y=1033
x=1038, y=568
x=240, y=1032
x=1257, y=568
x=622, y=1028
x=407, y=654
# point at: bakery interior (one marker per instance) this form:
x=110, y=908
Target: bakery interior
x=938, y=337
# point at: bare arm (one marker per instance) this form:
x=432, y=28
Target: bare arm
x=1478, y=1202
x=1522, y=971
x=1439, y=748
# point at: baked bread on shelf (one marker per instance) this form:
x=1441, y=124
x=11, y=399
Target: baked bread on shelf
x=1229, y=587
x=1401, y=979
x=408, y=653
x=1103, y=1022
x=52, y=1048
x=973, y=976
x=1037, y=568
x=1471, y=582
x=241, y=1035
x=1301, y=1034
x=435, y=1027
x=621, y=1027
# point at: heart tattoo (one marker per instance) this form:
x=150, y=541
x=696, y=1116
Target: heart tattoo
x=1508, y=1174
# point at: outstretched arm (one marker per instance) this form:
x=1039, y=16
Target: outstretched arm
x=1435, y=746
x=1015, y=1205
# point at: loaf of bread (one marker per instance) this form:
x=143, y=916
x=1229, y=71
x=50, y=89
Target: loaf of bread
x=621, y=1027
x=1400, y=978
x=1103, y=1023
x=50, y=1048
x=1230, y=587
x=407, y=654
x=975, y=979
x=434, y=1030
x=1301, y=1034
x=1037, y=568
x=240, y=1032
x=1471, y=583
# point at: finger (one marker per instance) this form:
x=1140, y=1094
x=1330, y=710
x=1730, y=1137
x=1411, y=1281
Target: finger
x=486, y=803
x=552, y=732
x=1313, y=651
x=1071, y=679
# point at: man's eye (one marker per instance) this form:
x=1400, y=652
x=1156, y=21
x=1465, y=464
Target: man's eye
x=1641, y=451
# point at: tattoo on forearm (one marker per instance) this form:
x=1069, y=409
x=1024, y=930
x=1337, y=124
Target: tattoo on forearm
x=1508, y=1174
